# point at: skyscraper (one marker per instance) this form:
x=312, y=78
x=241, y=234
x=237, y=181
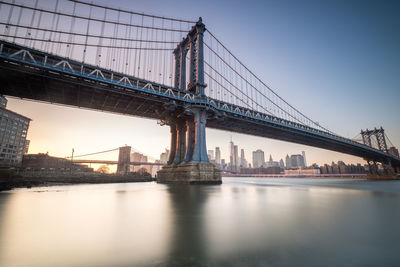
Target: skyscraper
x=236, y=158
x=297, y=161
x=243, y=161
x=211, y=155
x=258, y=158
x=231, y=155
x=13, y=131
x=287, y=160
x=281, y=164
x=217, y=155
x=303, y=153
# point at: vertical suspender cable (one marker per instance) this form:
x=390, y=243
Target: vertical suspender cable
x=129, y=44
x=29, y=33
x=87, y=36
x=7, y=28
x=100, y=41
x=164, y=55
x=19, y=20
x=118, y=51
x=146, y=56
x=37, y=31
x=71, y=36
x=151, y=58
x=140, y=49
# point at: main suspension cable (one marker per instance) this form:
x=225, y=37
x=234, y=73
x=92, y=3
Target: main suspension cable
x=131, y=12
x=92, y=19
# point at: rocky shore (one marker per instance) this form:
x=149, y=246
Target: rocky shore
x=12, y=179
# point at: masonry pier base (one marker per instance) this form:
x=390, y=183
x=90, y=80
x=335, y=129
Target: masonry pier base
x=190, y=173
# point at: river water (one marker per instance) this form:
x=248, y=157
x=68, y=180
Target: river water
x=243, y=222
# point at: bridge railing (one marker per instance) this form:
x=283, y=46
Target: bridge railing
x=45, y=60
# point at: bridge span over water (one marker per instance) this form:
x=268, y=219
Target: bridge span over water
x=182, y=76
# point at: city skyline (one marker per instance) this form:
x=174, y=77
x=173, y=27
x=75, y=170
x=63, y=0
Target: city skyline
x=281, y=57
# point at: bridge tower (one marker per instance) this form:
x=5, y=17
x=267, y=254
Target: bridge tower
x=124, y=160
x=188, y=161
x=379, y=136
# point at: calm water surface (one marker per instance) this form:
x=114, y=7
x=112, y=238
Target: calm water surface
x=243, y=222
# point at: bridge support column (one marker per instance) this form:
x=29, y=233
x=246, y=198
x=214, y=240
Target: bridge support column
x=388, y=169
x=173, y=143
x=388, y=172
x=180, y=142
x=190, y=161
x=191, y=139
x=200, y=148
x=372, y=167
x=191, y=166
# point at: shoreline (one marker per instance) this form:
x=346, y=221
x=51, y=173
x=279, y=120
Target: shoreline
x=36, y=180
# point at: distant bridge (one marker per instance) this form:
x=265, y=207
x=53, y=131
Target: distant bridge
x=111, y=162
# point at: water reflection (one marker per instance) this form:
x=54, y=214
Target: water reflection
x=244, y=222
x=86, y=226
x=187, y=245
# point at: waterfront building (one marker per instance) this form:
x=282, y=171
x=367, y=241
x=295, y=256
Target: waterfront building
x=258, y=158
x=303, y=172
x=44, y=162
x=164, y=156
x=13, y=132
x=342, y=168
x=272, y=163
x=261, y=170
x=139, y=157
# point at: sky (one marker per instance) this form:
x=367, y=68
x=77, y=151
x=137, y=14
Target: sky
x=336, y=61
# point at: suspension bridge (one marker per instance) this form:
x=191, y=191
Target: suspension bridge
x=124, y=159
x=176, y=71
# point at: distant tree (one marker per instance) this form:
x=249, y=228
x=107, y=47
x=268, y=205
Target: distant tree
x=103, y=169
x=142, y=172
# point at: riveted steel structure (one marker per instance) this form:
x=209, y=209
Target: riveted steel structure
x=188, y=162
x=379, y=136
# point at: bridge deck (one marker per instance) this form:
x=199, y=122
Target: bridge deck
x=48, y=78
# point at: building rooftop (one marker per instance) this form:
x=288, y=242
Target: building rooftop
x=15, y=113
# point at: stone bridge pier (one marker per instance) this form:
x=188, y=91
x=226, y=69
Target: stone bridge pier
x=188, y=162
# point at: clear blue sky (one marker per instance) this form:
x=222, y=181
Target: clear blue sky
x=336, y=61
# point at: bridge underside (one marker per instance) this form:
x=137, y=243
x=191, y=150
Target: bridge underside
x=64, y=88
x=53, y=87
